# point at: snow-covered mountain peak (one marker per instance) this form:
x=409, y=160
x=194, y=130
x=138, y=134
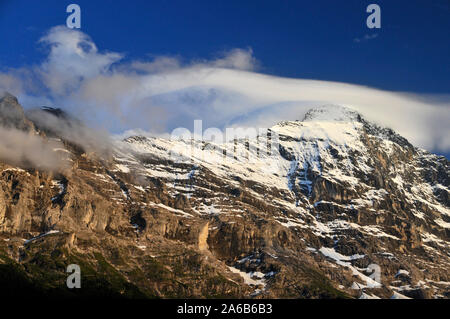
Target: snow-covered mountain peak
x=325, y=124
x=332, y=113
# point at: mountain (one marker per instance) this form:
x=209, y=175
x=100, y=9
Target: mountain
x=12, y=114
x=331, y=206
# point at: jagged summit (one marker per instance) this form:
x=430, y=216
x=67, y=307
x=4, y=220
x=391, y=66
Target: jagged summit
x=332, y=113
x=6, y=96
x=55, y=111
x=12, y=114
x=10, y=107
x=338, y=124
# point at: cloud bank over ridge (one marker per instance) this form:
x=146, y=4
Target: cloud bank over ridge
x=163, y=93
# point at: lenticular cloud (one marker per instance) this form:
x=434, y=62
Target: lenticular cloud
x=163, y=93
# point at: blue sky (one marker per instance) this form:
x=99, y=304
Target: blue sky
x=321, y=40
x=307, y=39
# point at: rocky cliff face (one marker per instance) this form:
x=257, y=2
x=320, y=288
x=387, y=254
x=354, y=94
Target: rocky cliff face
x=339, y=208
x=12, y=114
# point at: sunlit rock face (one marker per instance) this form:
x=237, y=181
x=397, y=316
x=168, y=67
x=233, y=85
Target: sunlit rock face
x=12, y=114
x=307, y=219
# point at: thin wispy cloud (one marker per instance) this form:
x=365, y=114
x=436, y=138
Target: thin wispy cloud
x=162, y=93
x=365, y=38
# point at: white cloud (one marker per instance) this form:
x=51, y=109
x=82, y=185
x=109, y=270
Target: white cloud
x=365, y=38
x=73, y=58
x=10, y=83
x=236, y=59
x=26, y=150
x=164, y=93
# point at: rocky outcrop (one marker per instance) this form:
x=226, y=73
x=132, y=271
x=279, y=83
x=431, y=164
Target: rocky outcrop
x=12, y=114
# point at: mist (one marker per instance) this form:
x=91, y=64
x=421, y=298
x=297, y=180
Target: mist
x=26, y=150
x=71, y=129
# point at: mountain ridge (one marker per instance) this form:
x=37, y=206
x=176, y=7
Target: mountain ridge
x=304, y=219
